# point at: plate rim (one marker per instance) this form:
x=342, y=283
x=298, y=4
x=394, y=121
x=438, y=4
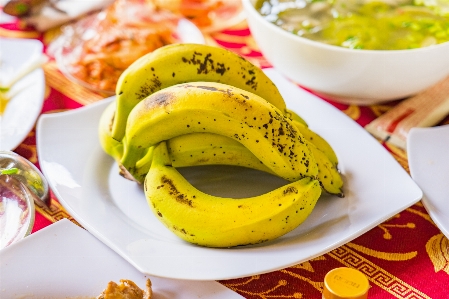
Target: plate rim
x=40, y=76
x=427, y=202
x=36, y=46
x=65, y=230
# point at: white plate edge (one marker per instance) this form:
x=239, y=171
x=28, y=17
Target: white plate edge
x=413, y=134
x=324, y=251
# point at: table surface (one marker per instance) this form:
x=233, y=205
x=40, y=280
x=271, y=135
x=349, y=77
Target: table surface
x=405, y=257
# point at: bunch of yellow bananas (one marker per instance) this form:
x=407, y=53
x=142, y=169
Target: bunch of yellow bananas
x=190, y=104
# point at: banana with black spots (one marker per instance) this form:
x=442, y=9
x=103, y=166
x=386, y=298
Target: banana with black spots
x=318, y=141
x=211, y=149
x=180, y=63
x=213, y=221
x=224, y=110
x=185, y=150
x=328, y=175
x=111, y=146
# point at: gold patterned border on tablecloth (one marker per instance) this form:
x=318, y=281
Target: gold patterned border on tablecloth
x=376, y=274
x=54, y=212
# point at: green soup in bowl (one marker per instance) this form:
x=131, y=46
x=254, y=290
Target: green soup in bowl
x=362, y=24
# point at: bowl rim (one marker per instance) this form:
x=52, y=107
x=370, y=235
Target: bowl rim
x=250, y=9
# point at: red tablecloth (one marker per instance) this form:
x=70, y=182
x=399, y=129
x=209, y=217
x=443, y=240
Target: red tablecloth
x=405, y=257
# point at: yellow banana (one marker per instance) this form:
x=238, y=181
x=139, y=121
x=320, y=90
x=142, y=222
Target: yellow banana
x=224, y=110
x=180, y=63
x=111, y=146
x=211, y=149
x=328, y=175
x=208, y=149
x=318, y=141
x=213, y=221
x=185, y=150
x=114, y=148
x=201, y=149
x=295, y=117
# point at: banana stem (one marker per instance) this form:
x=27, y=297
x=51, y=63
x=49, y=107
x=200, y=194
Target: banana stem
x=131, y=156
x=161, y=155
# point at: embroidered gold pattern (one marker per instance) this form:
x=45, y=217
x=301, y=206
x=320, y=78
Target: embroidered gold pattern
x=306, y=266
x=378, y=110
x=266, y=294
x=387, y=235
x=30, y=150
x=319, y=285
x=252, y=278
x=387, y=256
x=377, y=275
x=352, y=111
x=419, y=213
x=54, y=212
x=438, y=250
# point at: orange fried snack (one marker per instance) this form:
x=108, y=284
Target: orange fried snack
x=127, y=289
x=127, y=31
x=198, y=11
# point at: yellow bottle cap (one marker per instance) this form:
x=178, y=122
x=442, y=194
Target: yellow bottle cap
x=345, y=283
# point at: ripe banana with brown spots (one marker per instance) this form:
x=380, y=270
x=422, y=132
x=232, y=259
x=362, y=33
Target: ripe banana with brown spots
x=111, y=146
x=200, y=149
x=224, y=110
x=180, y=63
x=328, y=175
x=318, y=141
x=213, y=221
x=185, y=150
x=210, y=149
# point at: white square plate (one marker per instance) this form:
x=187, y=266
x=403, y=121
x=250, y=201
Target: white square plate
x=65, y=261
x=87, y=184
x=428, y=157
x=23, y=109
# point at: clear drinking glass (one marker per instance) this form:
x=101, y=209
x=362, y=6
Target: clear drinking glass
x=21, y=185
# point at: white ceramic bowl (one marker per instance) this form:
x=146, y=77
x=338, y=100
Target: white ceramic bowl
x=362, y=77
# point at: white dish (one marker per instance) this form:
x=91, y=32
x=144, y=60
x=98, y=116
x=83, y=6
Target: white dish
x=351, y=76
x=115, y=210
x=428, y=158
x=23, y=109
x=65, y=261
